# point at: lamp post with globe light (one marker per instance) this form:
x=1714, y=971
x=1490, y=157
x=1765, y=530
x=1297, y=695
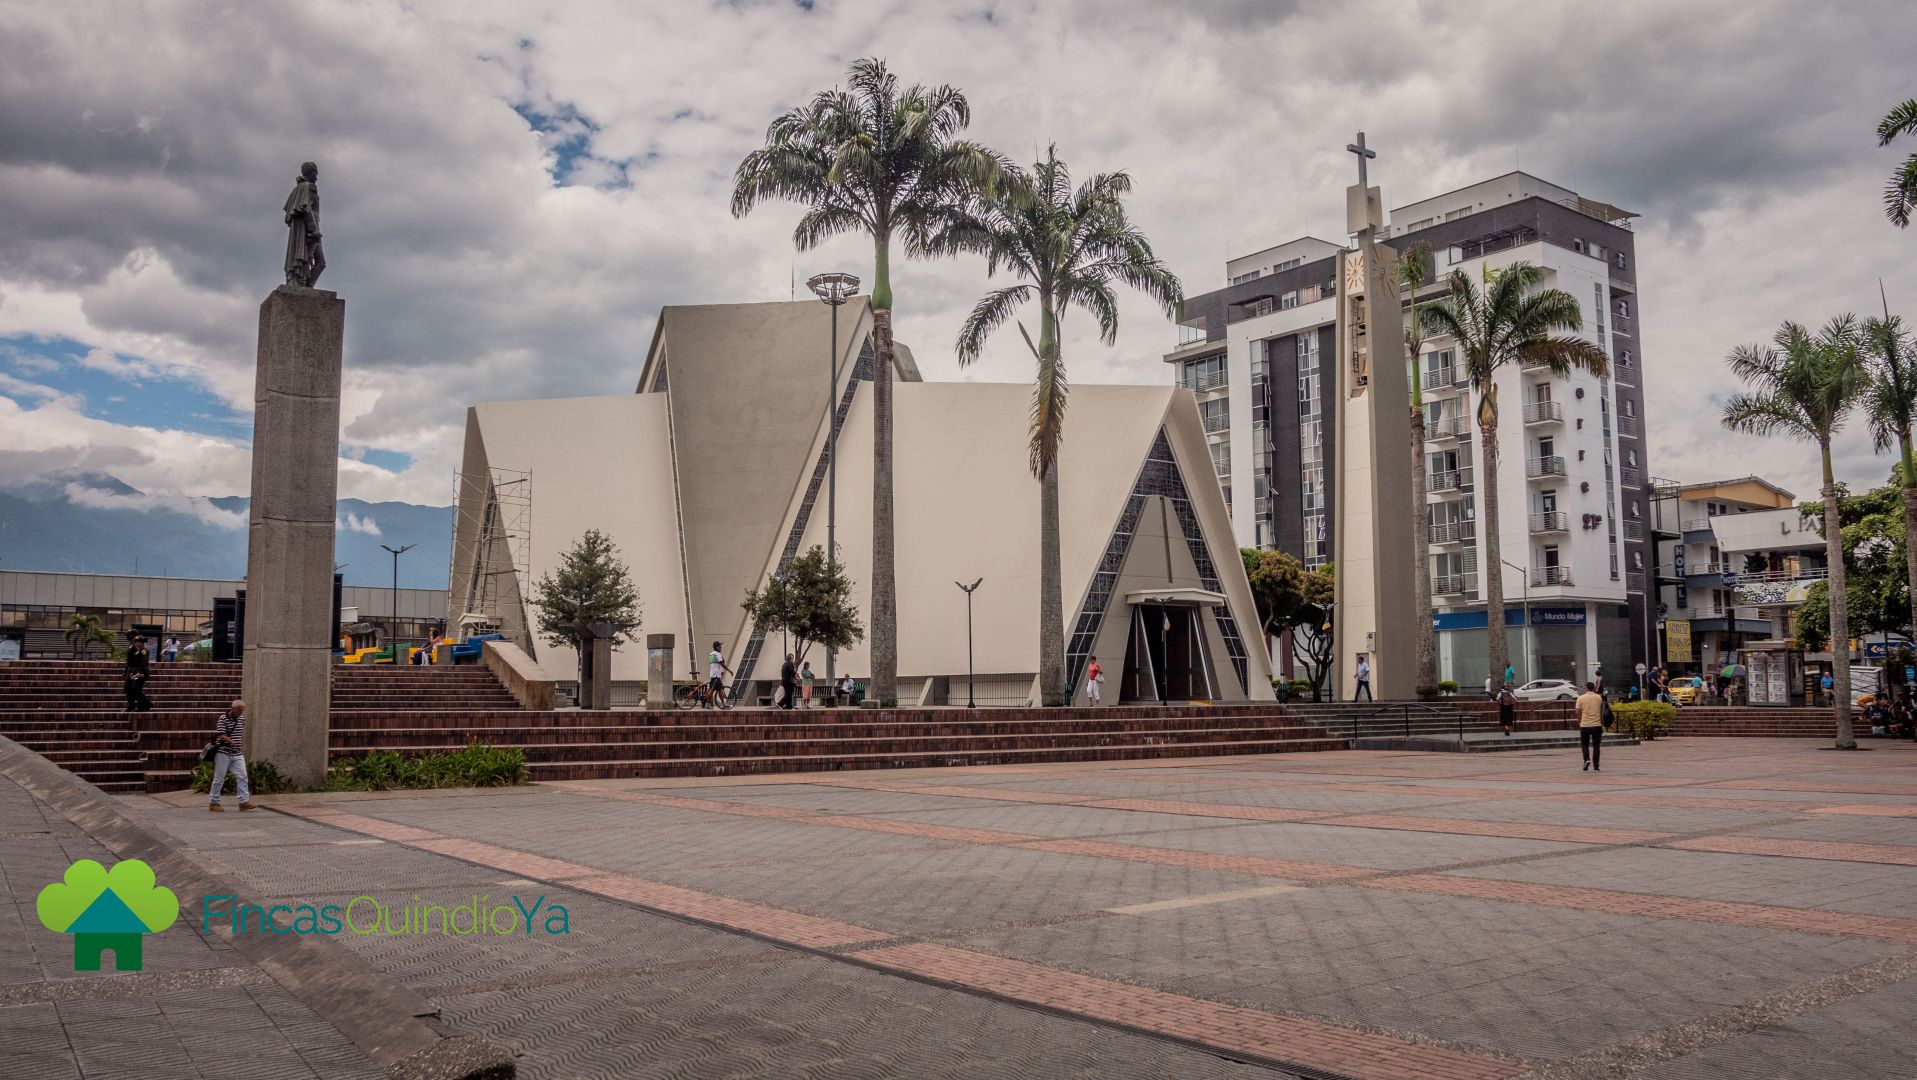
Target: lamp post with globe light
x=835, y=288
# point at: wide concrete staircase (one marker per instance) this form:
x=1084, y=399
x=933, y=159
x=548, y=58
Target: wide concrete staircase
x=72, y=712
x=1442, y=725
x=577, y=745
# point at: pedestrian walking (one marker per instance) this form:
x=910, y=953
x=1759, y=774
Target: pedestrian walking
x=133, y=680
x=1094, y=681
x=716, y=670
x=788, y=683
x=1590, y=710
x=1507, y=709
x=1510, y=675
x=1829, y=686
x=805, y=683
x=229, y=739
x=1490, y=688
x=1364, y=679
x=172, y=650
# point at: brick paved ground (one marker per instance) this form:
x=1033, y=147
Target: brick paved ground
x=196, y=1008
x=1703, y=908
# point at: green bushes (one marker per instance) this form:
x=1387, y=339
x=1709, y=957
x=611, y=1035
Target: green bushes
x=478, y=765
x=1447, y=687
x=1644, y=719
x=262, y=778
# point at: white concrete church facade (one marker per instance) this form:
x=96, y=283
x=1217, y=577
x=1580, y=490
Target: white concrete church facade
x=713, y=473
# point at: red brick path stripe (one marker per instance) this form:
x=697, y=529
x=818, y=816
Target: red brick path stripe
x=1227, y=1027
x=758, y=919
x=1734, y=913
x=517, y=862
x=385, y=830
x=1575, y=834
x=1869, y=811
x=1817, y=785
x=1203, y=860
x=1892, y=854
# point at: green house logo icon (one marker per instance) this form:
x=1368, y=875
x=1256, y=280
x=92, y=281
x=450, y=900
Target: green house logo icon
x=107, y=911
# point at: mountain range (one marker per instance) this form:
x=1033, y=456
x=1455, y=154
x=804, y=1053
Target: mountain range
x=94, y=523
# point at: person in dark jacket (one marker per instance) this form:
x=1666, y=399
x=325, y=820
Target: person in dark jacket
x=133, y=682
x=1507, y=709
x=788, y=683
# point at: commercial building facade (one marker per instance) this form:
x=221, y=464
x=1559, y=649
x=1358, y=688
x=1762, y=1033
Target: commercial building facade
x=1735, y=559
x=1573, y=471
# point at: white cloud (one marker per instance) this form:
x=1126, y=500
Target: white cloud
x=84, y=495
x=21, y=389
x=355, y=523
x=143, y=160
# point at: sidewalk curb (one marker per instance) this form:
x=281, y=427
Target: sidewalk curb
x=385, y=1019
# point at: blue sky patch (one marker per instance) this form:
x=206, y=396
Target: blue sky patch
x=156, y=401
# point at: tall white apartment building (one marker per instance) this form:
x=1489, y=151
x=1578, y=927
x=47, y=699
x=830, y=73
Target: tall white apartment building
x=1573, y=473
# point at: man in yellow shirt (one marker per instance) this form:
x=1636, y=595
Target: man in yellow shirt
x=1590, y=709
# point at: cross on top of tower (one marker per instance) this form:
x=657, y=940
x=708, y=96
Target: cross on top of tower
x=1364, y=154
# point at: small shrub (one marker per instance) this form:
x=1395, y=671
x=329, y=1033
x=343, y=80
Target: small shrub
x=1446, y=686
x=262, y=778
x=1300, y=687
x=1644, y=719
x=477, y=765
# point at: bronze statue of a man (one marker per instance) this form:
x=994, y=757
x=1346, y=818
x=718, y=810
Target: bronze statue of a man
x=305, y=258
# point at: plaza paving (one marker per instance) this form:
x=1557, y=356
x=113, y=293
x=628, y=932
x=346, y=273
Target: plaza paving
x=1702, y=908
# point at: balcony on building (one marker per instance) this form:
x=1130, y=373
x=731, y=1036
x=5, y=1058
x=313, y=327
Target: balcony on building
x=1542, y=576
x=1448, y=479
x=1444, y=379
x=1697, y=530
x=1544, y=468
x=1454, y=584
x=1550, y=521
x=1634, y=581
x=1544, y=412
x=1453, y=532
x=1450, y=427
x=1630, y=427
x=1634, y=530
x=1218, y=423
x=1200, y=383
x=1624, y=371
x=1629, y=476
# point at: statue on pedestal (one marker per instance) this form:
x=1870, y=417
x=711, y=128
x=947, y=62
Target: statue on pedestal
x=305, y=258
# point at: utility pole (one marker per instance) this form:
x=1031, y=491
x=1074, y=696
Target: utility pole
x=970, y=702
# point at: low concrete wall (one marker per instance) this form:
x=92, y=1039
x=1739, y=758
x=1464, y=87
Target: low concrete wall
x=520, y=674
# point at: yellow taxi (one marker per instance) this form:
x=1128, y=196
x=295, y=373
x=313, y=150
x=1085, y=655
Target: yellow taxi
x=1688, y=690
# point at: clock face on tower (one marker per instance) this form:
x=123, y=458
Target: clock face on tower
x=1354, y=284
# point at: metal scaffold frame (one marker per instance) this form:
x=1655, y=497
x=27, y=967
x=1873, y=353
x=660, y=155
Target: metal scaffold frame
x=492, y=539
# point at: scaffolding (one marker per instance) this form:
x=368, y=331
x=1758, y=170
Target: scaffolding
x=492, y=552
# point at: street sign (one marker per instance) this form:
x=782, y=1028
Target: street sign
x=1641, y=669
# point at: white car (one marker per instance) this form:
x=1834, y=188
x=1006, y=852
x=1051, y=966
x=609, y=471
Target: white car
x=1548, y=690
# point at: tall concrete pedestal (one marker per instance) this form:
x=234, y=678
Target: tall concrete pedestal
x=659, y=671
x=289, y=551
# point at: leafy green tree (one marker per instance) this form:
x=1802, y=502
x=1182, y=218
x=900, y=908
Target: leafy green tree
x=1277, y=587
x=1290, y=598
x=1900, y=194
x=1414, y=271
x=1891, y=405
x=1317, y=616
x=1513, y=321
x=1804, y=386
x=591, y=585
x=811, y=600
x=84, y=631
x=880, y=161
x=1068, y=246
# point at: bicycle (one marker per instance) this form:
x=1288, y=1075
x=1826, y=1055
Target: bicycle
x=699, y=695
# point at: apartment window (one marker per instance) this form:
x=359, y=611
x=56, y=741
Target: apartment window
x=1288, y=300
x=1204, y=373
x=1260, y=306
x=1216, y=413
x=1221, y=458
x=1624, y=308
x=1311, y=451
x=1422, y=223
x=1456, y=214
x=1288, y=264
x=1242, y=278
x=1621, y=263
x=1627, y=406
x=1630, y=458
x=1577, y=246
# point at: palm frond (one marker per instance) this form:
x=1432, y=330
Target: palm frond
x=1901, y=120
x=988, y=315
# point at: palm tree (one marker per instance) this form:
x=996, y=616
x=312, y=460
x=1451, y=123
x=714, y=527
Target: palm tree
x=1900, y=194
x=1414, y=272
x=1890, y=402
x=1803, y=386
x=83, y=631
x=1507, y=323
x=880, y=161
x=1069, y=246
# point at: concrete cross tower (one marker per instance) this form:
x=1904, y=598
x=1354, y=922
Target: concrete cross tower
x=1375, y=616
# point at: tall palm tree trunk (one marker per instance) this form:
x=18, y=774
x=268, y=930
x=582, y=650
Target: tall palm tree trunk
x=1051, y=589
x=1051, y=595
x=882, y=690
x=1910, y=526
x=1427, y=654
x=1839, y=609
x=1493, y=570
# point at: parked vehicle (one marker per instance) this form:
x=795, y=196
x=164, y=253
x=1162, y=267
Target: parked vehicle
x=1688, y=690
x=1548, y=690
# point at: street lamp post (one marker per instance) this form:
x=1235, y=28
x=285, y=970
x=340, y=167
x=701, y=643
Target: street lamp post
x=970, y=703
x=835, y=288
x=1530, y=638
x=396, y=552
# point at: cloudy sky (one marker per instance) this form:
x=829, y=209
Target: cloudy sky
x=512, y=190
